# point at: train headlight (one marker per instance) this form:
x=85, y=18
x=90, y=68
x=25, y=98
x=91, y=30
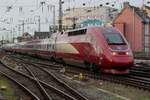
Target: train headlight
x=128, y=53
x=114, y=53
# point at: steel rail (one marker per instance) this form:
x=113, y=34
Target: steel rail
x=72, y=91
x=68, y=97
x=46, y=95
x=22, y=86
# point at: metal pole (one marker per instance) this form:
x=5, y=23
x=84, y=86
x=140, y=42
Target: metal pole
x=74, y=23
x=39, y=29
x=13, y=35
x=37, y=3
x=2, y=39
x=22, y=26
x=53, y=15
x=143, y=3
x=11, y=39
x=60, y=15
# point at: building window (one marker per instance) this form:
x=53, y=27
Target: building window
x=146, y=38
x=146, y=49
x=146, y=29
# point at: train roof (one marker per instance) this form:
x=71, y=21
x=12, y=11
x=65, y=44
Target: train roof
x=88, y=27
x=57, y=34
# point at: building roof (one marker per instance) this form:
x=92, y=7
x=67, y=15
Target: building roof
x=85, y=11
x=142, y=14
x=139, y=11
x=77, y=15
x=147, y=7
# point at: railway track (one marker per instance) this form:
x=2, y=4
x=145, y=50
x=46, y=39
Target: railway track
x=40, y=75
x=23, y=82
x=137, y=78
x=28, y=94
x=142, y=70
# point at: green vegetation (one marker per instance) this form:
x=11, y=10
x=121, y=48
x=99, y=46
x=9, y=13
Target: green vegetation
x=6, y=90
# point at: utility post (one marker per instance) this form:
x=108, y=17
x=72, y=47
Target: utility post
x=54, y=15
x=23, y=26
x=2, y=39
x=60, y=15
x=54, y=11
x=74, y=19
x=39, y=22
x=13, y=30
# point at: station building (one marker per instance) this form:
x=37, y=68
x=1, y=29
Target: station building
x=25, y=37
x=89, y=16
x=134, y=23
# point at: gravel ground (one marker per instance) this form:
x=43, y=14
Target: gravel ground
x=88, y=89
x=103, y=90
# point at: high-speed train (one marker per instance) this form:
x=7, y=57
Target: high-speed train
x=98, y=48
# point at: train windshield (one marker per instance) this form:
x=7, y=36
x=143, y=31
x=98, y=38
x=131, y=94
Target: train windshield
x=114, y=39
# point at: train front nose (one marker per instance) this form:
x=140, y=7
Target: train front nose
x=122, y=61
x=118, y=64
x=122, y=58
x=119, y=60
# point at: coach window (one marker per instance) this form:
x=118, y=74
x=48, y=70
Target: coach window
x=40, y=46
x=78, y=32
x=31, y=46
x=45, y=47
x=48, y=46
x=36, y=46
x=51, y=47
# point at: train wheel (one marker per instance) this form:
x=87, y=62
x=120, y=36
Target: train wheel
x=87, y=65
x=94, y=68
x=52, y=59
x=64, y=63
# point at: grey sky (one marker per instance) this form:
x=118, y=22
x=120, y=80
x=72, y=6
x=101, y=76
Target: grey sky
x=29, y=10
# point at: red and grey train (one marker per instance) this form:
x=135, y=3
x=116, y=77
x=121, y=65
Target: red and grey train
x=99, y=48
